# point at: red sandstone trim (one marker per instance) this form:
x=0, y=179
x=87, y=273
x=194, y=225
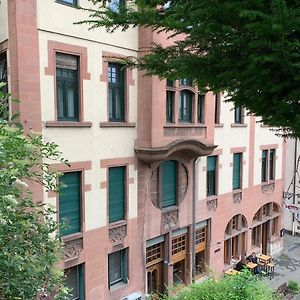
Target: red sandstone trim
x=84, y=165
x=219, y=125
x=238, y=149
x=103, y=185
x=117, y=124
x=120, y=161
x=251, y=151
x=268, y=147
x=217, y=152
x=87, y=188
x=233, y=125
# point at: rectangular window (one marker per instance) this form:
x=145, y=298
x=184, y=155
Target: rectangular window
x=116, y=190
x=74, y=280
x=67, y=87
x=169, y=183
x=116, y=92
x=217, y=108
x=170, y=83
x=272, y=164
x=118, y=267
x=116, y=5
x=237, y=171
x=185, y=107
x=70, y=203
x=211, y=175
x=264, y=166
x=70, y=2
x=201, y=99
x=170, y=106
x=238, y=115
x=186, y=82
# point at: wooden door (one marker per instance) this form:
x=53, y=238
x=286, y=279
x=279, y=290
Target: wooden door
x=154, y=279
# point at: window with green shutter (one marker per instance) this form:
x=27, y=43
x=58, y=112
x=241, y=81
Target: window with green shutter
x=169, y=183
x=74, y=280
x=211, y=175
x=116, y=193
x=67, y=84
x=69, y=203
x=118, y=267
x=264, y=165
x=237, y=168
x=272, y=164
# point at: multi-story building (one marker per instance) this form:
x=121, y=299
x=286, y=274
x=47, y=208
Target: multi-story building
x=160, y=172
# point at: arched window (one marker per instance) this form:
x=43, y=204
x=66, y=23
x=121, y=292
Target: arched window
x=265, y=224
x=235, y=238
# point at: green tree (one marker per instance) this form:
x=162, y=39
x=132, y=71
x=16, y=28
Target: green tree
x=30, y=248
x=250, y=49
x=242, y=286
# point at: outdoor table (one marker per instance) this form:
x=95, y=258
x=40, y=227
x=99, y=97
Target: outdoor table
x=251, y=266
x=231, y=272
x=264, y=258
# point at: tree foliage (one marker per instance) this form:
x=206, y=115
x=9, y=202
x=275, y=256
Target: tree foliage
x=250, y=49
x=242, y=286
x=30, y=248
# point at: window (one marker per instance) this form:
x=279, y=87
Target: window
x=70, y=2
x=185, y=107
x=179, y=249
x=116, y=92
x=272, y=164
x=200, y=113
x=67, y=87
x=70, y=203
x=237, y=171
x=170, y=106
x=3, y=71
x=116, y=5
x=74, y=280
x=235, y=238
x=117, y=267
x=200, y=249
x=170, y=83
x=211, y=175
x=169, y=183
x=217, y=108
x=264, y=166
x=186, y=82
x=238, y=115
x=116, y=192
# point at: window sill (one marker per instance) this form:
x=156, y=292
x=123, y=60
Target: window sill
x=219, y=125
x=117, y=124
x=239, y=125
x=184, y=125
x=169, y=209
x=72, y=236
x=117, y=286
x=264, y=126
x=117, y=224
x=68, y=124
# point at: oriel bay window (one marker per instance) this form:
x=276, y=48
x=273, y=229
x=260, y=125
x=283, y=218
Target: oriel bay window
x=168, y=184
x=211, y=176
x=116, y=193
x=185, y=107
x=74, y=280
x=67, y=87
x=118, y=267
x=237, y=171
x=70, y=203
x=235, y=238
x=116, y=92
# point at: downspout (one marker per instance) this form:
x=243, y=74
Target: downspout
x=294, y=186
x=194, y=217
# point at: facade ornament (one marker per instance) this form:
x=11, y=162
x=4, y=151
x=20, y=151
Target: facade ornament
x=72, y=249
x=117, y=234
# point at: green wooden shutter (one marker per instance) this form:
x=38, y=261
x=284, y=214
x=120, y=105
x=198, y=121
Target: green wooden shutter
x=236, y=179
x=81, y=282
x=211, y=163
x=69, y=203
x=169, y=183
x=116, y=194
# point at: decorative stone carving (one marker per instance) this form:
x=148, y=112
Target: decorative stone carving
x=117, y=234
x=169, y=219
x=72, y=249
x=185, y=131
x=237, y=196
x=212, y=203
x=268, y=188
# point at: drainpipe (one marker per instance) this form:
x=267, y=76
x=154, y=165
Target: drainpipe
x=194, y=217
x=294, y=186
